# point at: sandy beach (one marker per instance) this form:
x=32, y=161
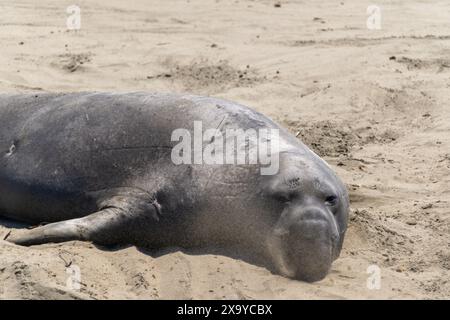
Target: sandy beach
x=374, y=103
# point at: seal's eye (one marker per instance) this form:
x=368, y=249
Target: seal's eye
x=331, y=201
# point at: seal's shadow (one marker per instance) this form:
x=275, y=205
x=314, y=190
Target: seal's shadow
x=233, y=253
x=230, y=252
x=12, y=224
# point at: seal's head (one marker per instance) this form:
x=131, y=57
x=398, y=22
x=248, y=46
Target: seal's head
x=310, y=207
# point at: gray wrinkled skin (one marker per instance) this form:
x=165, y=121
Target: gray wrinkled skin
x=97, y=167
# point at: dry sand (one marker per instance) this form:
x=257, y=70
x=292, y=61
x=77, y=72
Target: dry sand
x=382, y=122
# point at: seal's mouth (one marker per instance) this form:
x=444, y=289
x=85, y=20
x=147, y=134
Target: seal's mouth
x=305, y=251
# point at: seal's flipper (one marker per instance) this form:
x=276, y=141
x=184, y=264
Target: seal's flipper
x=112, y=224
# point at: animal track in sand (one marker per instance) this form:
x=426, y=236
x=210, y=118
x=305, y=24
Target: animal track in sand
x=414, y=63
x=203, y=74
x=72, y=62
x=334, y=139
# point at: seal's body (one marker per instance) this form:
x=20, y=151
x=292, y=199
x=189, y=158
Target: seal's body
x=100, y=167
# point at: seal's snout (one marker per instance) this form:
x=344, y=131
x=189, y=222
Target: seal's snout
x=305, y=241
x=311, y=243
x=315, y=222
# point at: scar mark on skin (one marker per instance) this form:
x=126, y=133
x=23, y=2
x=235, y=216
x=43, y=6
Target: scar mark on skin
x=12, y=149
x=157, y=207
x=218, y=128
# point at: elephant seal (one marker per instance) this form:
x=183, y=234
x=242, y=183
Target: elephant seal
x=100, y=167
